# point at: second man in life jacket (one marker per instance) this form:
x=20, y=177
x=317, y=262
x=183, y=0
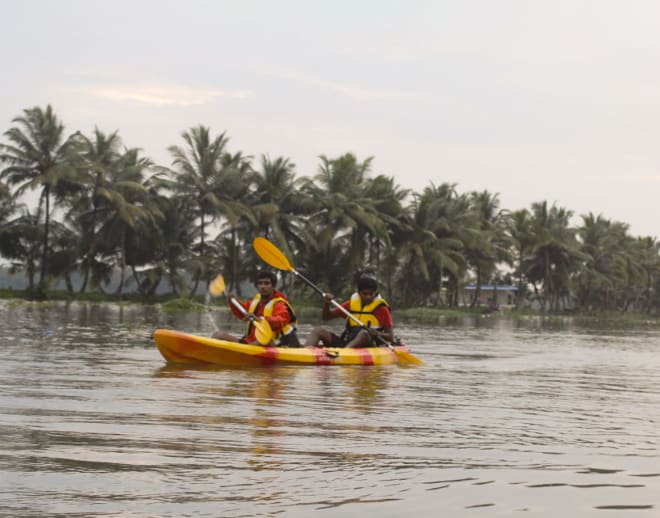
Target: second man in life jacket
x=368, y=307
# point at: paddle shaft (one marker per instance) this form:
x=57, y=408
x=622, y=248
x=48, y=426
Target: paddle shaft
x=240, y=307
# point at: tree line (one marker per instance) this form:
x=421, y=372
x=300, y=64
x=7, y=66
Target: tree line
x=104, y=207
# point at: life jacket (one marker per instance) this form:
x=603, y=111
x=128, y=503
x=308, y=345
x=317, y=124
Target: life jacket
x=268, y=311
x=365, y=314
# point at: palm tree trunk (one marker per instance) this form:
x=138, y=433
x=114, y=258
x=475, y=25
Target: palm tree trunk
x=122, y=262
x=477, y=292
x=649, y=291
x=44, y=252
x=90, y=250
x=520, y=278
x=83, y=286
x=69, y=284
x=234, y=259
x=198, y=273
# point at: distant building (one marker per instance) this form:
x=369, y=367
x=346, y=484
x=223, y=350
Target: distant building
x=491, y=295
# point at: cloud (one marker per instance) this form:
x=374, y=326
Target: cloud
x=645, y=178
x=163, y=94
x=351, y=91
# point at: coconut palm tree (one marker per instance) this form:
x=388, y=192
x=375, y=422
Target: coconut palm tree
x=278, y=202
x=603, y=273
x=38, y=156
x=213, y=182
x=518, y=226
x=648, y=250
x=7, y=204
x=452, y=219
x=429, y=248
x=491, y=244
x=126, y=204
x=345, y=215
x=20, y=240
x=555, y=255
x=232, y=245
x=100, y=156
x=176, y=230
x=197, y=170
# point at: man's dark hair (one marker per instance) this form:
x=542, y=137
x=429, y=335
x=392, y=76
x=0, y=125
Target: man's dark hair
x=367, y=283
x=265, y=274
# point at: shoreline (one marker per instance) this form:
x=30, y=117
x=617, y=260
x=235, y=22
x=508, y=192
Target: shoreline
x=169, y=303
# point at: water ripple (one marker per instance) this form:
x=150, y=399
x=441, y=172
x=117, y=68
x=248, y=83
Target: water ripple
x=503, y=418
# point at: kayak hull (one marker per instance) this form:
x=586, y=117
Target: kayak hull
x=178, y=347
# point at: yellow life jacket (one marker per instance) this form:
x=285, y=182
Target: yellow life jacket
x=268, y=311
x=365, y=314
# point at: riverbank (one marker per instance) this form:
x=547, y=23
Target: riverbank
x=307, y=310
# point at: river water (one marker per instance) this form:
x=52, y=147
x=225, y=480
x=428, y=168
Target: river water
x=507, y=418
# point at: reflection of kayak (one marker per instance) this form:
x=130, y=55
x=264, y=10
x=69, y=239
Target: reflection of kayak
x=177, y=347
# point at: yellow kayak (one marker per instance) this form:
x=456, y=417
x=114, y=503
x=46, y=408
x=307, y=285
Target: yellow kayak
x=177, y=347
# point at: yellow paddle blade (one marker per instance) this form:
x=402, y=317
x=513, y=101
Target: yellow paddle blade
x=263, y=331
x=217, y=286
x=270, y=254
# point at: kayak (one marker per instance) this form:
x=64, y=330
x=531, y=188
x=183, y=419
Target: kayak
x=178, y=347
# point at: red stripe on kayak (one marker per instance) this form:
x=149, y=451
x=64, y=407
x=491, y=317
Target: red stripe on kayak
x=365, y=356
x=269, y=356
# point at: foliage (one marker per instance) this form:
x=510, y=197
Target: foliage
x=182, y=304
x=174, y=228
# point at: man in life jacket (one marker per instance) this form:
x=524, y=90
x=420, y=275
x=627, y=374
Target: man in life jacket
x=270, y=304
x=367, y=306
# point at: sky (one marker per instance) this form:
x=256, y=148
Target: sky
x=533, y=100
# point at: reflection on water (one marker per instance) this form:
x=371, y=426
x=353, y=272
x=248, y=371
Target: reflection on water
x=505, y=417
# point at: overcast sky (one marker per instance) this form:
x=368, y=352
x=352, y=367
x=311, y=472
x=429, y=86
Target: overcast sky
x=555, y=100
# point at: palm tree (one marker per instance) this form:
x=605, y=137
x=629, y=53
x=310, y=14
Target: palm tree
x=209, y=178
x=277, y=202
x=648, y=250
x=278, y=206
x=388, y=198
x=518, y=225
x=603, y=273
x=197, y=169
x=453, y=220
x=101, y=155
x=7, y=203
x=20, y=238
x=429, y=248
x=388, y=202
x=238, y=213
x=176, y=231
x=345, y=216
x=38, y=156
x=490, y=245
x=125, y=205
x=555, y=254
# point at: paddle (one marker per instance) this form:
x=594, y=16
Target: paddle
x=272, y=255
x=262, y=327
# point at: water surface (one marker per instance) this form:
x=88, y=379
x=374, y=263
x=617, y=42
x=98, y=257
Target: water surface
x=506, y=418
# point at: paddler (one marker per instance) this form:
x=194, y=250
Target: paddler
x=269, y=304
x=368, y=307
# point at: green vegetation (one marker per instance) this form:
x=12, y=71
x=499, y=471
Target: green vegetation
x=183, y=304
x=177, y=227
